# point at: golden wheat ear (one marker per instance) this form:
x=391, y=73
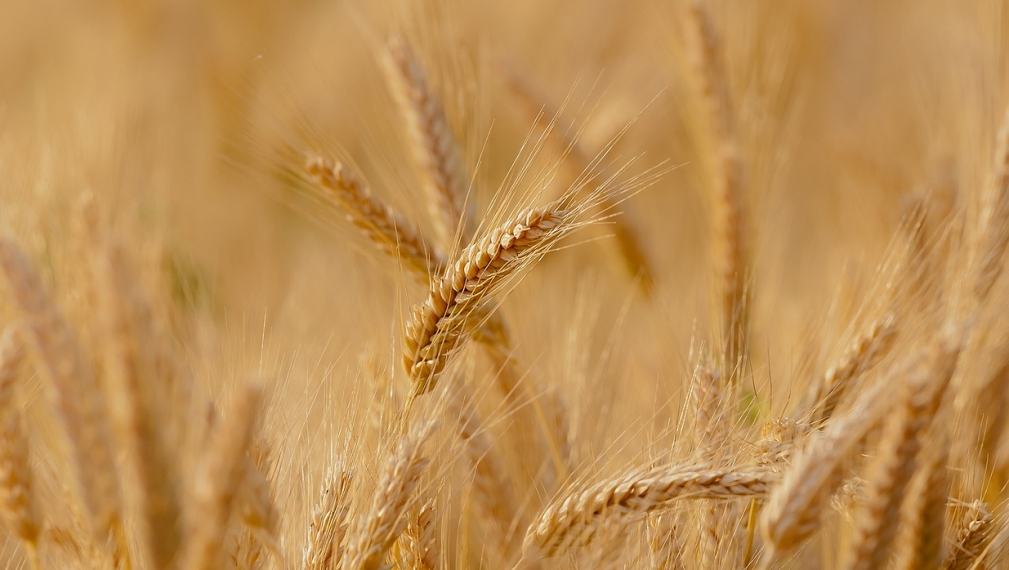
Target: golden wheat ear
x=221, y=477
x=379, y=222
x=73, y=392
x=434, y=146
x=324, y=546
x=374, y=532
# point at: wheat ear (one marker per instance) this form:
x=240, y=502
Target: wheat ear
x=221, y=477
x=421, y=549
x=16, y=501
x=386, y=228
x=728, y=205
x=73, y=391
x=571, y=520
x=126, y=320
x=438, y=326
x=972, y=536
x=923, y=514
x=434, y=146
x=374, y=533
x=867, y=350
x=921, y=397
x=324, y=546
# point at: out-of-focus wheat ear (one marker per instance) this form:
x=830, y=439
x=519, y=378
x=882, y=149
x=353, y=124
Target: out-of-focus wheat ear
x=17, y=503
x=438, y=327
x=793, y=510
x=132, y=406
x=993, y=236
x=920, y=397
x=218, y=483
x=867, y=350
x=493, y=493
x=374, y=532
x=570, y=520
x=421, y=550
x=923, y=514
x=538, y=111
x=379, y=222
x=259, y=513
x=326, y=529
x=434, y=145
x=709, y=396
x=72, y=389
x=728, y=203
x=972, y=534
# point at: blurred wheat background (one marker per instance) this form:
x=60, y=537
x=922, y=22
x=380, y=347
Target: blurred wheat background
x=687, y=284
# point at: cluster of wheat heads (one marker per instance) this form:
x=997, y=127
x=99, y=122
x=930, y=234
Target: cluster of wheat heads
x=454, y=445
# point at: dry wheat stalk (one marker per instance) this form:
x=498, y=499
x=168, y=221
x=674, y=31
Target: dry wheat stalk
x=922, y=394
x=708, y=66
x=923, y=514
x=570, y=520
x=434, y=146
x=867, y=350
x=540, y=113
x=16, y=502
x=386, y=228
x=324, y=547
x=972, y=535
x=137, y=421
x=216, y=489
x=375, y=531
x=438, y=326
x=72, y=389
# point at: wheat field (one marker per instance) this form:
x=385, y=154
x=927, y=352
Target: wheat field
x=432, y=284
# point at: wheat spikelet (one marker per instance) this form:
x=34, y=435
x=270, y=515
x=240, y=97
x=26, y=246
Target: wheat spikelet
x=324, y=546
x=375, y=531
x=434, y=146
x=437, y=326
x=570, y=520
x=708, y=394
x=16, y=503
x=923, y=392
x=219, y=481
x=728, y=203
x=972, y=535
x=923, y=514
x=867, y=350
x=377, y=221
x=133, y=408
x=73, y=390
